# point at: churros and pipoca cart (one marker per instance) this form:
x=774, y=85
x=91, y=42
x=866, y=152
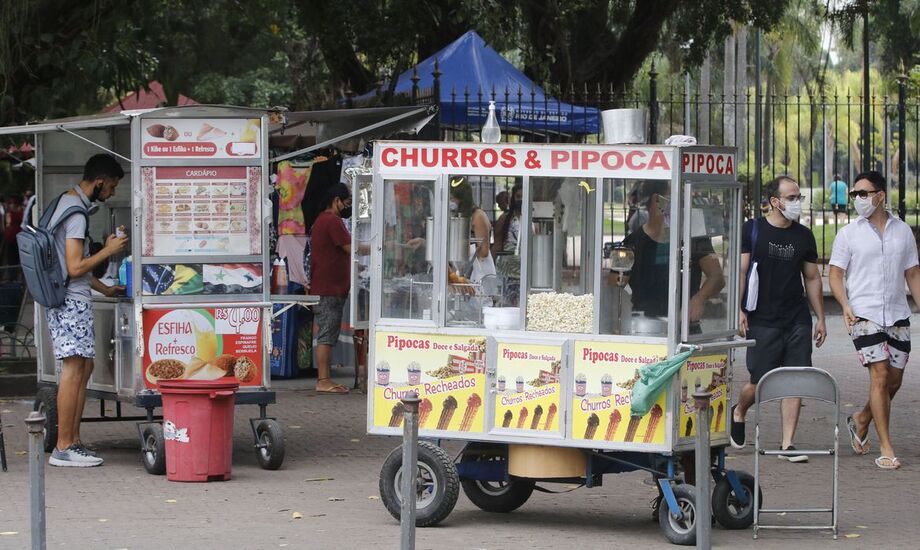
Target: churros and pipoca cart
x=195, y=203
x=610, y=258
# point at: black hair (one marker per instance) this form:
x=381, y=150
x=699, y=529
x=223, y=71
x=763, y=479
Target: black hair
x=652, y=187
x=463, y=192
x=102, y=165
x=772, y=187
x=336, y=191
x=874, y=178
x=507, y=215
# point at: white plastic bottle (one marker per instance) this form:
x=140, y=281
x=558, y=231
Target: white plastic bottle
x=491, y=132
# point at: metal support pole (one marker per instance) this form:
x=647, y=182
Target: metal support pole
x=867, y=105
x=36, y=426
x=653, y=105
x=703, y=475
x=758, y=130
x=407, y=486
x=902, y=144
x=688, y=130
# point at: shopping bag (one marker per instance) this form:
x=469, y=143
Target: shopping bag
x=652, y=379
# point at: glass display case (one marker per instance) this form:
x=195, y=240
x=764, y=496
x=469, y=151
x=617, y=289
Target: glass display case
x=533, y=319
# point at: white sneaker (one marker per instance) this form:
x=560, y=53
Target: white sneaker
x=74, y=457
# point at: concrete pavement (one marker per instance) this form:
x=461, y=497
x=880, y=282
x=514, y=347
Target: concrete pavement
x=330, y=478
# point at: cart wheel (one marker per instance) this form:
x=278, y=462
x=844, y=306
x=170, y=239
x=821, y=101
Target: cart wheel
x=682, y=531
x=438, y=484
x=726, y=508
x=269, y=444
x=496, y=496
x=46, y=403
x=153, y=452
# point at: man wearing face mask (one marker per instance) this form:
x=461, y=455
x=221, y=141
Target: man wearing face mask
x=785, y=253
x=876, y=254
x=71, y=325
x=330, y=280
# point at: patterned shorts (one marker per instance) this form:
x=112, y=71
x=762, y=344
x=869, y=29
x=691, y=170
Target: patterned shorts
x=72, y=328
x=876, y=343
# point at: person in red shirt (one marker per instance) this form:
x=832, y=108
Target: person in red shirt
x=330, y=279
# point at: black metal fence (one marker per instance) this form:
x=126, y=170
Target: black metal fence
x=815, y=138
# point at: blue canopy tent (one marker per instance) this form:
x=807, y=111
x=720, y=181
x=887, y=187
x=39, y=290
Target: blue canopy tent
x=469, y=64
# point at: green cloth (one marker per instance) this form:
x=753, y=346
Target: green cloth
x=652, y=379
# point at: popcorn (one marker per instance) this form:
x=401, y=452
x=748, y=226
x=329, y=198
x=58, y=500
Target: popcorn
x=552, y=312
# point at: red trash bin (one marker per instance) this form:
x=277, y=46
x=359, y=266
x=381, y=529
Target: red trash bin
x=198, y=428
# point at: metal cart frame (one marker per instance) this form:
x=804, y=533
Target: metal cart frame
x=482, y=468
x=122, y=381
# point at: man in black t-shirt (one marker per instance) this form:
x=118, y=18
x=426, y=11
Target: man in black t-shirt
x=649, y=278
x=784, y=252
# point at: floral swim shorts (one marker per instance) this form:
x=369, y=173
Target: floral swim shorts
x=876, y=343
x=72, y=328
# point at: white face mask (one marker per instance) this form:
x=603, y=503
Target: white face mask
x=864, y=206
x=792, y=210
x=453, y=206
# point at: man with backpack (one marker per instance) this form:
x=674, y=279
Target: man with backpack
x=781, y=254
x=72, y=323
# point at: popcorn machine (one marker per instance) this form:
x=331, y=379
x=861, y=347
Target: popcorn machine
x=547, y=396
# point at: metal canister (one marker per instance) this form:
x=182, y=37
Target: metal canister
x=458, y=245
x=542, y=266
x=429, y=239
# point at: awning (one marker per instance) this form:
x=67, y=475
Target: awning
x=347, y=128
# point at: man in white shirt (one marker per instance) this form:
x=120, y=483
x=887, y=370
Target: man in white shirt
x=876, y=253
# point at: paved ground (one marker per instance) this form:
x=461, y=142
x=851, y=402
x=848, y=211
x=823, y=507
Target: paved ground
x=120, y=506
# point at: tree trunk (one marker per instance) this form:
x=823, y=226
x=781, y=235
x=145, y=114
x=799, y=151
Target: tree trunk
x=729, y=83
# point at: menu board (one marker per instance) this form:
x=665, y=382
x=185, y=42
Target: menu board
x=451, y=384
x=202, y=210
x=605, y=373
x=203, y=344
x=189, y=138
x=706, y=373
x=528, y=391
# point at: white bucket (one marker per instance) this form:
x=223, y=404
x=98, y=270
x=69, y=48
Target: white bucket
x=622, y=126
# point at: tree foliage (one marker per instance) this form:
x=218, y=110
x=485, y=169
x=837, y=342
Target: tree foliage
x=59, y=57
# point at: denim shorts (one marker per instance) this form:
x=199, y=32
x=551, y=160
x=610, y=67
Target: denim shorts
x=327, y=316
x=72, y=328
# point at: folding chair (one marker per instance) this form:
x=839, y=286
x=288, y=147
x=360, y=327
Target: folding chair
x=805, y=383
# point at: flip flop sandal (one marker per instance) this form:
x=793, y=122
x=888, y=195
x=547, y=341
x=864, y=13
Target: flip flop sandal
x=859, y=446
x=892, y=462
x=335, y=389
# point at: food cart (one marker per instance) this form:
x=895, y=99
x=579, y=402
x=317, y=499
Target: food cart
x=195, y=203
x=531, y=362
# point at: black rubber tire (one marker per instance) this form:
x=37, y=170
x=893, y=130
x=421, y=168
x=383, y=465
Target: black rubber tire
x=153, y=453
x=681, y=532
x=270, y=449
x=46, y=402
x=725, y=508
x=501, y=497
x=434, y=462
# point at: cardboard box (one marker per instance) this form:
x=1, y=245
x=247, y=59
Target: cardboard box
x=546, y=462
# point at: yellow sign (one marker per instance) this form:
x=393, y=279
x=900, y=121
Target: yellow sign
x=604, y=376
x=708, y=372
x=447, y=372
x=528, y=393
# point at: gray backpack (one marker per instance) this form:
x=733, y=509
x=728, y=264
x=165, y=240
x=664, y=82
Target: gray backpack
x=45, y=277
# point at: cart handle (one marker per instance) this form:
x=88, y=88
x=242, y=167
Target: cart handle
x=207, y=305
x=716, y=346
